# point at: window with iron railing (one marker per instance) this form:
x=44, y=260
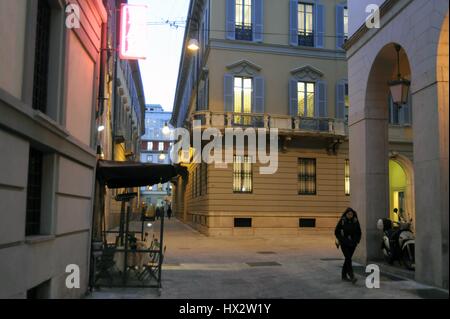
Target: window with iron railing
x=41, y=56
x=244, y=27
x=34, y=193
x=307, y=176
x=347, y=177
x=306, y=24
x=242, y=174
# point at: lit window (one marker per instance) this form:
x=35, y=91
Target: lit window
x=149, y=146
x=306, y=98
x=242, y=174
x=149, y=158
x=347, y=102
x=346, y=23
x=305, y=24
x=243, y=91
x=160, y=146
x=347, y=177
x=307, y=176
x=244, y=20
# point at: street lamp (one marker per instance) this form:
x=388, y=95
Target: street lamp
x=162, y=157
x=399, y=88
x=166, y=129
x=193, y=45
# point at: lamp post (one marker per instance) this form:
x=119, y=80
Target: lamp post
x=399, y=87
x=194, y=47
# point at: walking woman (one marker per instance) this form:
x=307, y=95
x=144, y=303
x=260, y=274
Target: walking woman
x=348, y=233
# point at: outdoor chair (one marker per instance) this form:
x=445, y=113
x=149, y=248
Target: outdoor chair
x=151, y=269
x=106, y=263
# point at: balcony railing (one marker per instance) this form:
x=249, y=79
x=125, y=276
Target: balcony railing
x=284, y=123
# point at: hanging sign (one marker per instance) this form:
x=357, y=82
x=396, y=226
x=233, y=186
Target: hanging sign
x=133, y=26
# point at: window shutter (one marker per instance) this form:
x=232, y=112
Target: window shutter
x=230, y=28
x=229, y=92
x=293, y=97
x=340, y=100
x=320, y=26
x=258, y=20
x=293, y=22
x=339, y=26
x=207, y=94
x=258, y=103
x=321, y=99
x=407, y=119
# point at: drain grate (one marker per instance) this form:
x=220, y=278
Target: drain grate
x=263, y=264
x=267, y=252
x=332, y=259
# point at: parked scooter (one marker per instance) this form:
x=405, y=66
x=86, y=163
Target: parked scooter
x=398, y=241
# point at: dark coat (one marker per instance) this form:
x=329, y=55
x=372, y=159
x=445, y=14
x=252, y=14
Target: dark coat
x=348, y=231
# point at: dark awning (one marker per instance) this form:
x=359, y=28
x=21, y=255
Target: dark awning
x=131, y=174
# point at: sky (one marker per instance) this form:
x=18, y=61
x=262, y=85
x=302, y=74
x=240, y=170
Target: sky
x=160, y=69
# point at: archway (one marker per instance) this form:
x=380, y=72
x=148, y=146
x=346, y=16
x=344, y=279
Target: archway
x=370, y=170
x=401, y=188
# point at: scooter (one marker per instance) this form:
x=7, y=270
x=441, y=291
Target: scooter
x=399, y=233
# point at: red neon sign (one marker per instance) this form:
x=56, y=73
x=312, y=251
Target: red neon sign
x=132, y=32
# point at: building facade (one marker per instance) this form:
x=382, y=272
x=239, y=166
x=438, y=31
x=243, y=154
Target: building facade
x=273, y=65
x=49, y=90
x=155, y=149
x=418, y=31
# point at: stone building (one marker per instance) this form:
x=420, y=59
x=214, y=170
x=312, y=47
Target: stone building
x=272, y=64
x=418, y=31
x=49, y=90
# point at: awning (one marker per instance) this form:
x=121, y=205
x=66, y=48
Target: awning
x=131, y=174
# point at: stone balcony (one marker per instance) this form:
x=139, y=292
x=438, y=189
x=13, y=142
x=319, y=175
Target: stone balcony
x=286, y=124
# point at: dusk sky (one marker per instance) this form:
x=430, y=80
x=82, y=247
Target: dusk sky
x=160, y=69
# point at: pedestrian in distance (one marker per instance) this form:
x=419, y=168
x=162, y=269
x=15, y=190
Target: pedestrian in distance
x=169, y=211
x=348, y=235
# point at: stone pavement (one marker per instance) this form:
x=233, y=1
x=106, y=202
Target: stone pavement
x=309, y=266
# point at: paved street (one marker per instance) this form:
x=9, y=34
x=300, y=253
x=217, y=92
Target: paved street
x=197, y=266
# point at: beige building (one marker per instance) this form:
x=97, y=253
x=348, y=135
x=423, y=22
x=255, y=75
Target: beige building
x=48, y=99
x=419, y=30
x=273, y=64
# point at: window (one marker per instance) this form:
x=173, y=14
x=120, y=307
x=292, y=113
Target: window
x=345, y=23
x=243, y=222
x=149, y=146
x=305, y=24
x=306, y=176
x=194, y=180
x=160, y=146
x=307, y=222
x=244, y=29
x=400, y=114
x=346, y=101
x=149, y=158
x=242, y=174
x=243, y=91
x=306, y=96
x=41, y=56
x=347, y=177
x=204, y=178
x=34, y=193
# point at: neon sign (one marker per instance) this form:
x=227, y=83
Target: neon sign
x=132, y=32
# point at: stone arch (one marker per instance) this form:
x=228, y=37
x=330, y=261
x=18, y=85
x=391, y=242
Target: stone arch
x=407, y=165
